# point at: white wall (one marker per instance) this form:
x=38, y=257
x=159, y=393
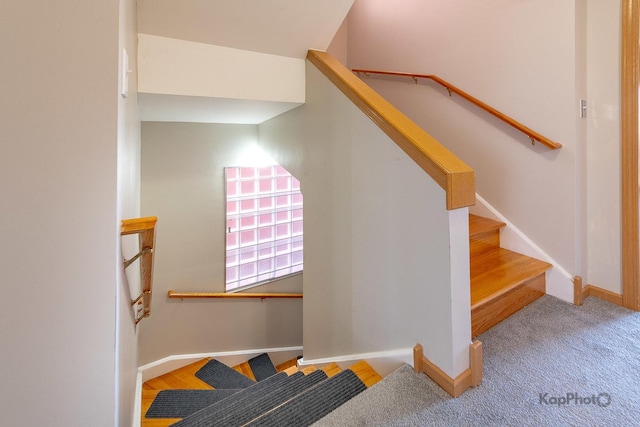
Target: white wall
x=519, y=57
x=128, y=207
x=58, y=169
x=339, y=45
x=182, y=184
x=179, y=67
x=604, y=17
x=378, y=272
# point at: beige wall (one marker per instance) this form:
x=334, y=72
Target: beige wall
x=59, y=227
x=379, y=274
x=567, y=202
x=182, y=184
x=128, y=287
x=604, y=17
x=523, y=58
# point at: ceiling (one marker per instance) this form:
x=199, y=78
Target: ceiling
x=277, y=27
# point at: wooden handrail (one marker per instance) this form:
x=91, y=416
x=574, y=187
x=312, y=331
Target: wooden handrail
x=145, y=228
x=533, y=135
x=451, y=173
x=174, y=294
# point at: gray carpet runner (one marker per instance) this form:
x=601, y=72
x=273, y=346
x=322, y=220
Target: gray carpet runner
x=262, y=367
x=246, y=395
x=218, y=375
x=315, y=403
x=182, y=403
x=241, y=408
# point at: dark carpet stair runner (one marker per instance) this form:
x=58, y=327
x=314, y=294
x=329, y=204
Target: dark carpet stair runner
x=182, y=403
x=238, y=412
x=317, y=402
x=262, y=367
x=218, y=375
x=276, y=399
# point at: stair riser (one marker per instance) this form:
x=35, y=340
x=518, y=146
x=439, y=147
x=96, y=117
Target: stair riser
x=493, y=312
x=484, y=242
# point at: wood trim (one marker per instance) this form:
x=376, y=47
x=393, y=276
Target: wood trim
x=533, y=135
x=418, y=351
x=578, y=291
x=475, y=363
x=603, y=294
x=137, y=225
x=471, y=376
x=146, y=231
x=174, y=294
x=629, y=153
x=451, y=173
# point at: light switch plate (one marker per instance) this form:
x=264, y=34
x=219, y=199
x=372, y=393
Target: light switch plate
x=125, y=74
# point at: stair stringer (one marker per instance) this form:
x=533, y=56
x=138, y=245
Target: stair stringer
x=559, y=282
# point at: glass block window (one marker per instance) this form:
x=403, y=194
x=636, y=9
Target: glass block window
x=264, y=225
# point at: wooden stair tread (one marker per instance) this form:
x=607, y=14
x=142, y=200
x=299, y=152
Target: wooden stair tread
x=366, y=373
x=480, y=225
x=181, y=378
x=331, y=369
x=498, y=271
x=245, y=369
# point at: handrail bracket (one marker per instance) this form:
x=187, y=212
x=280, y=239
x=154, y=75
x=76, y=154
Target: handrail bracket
x=145, y=229
x=127, y=262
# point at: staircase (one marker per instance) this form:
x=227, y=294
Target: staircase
x=256, y=394
x=502, y=281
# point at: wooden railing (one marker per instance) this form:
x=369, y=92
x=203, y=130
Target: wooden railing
x=145, y=229
x=533, y=135
x=174, y=294
x=451, y=173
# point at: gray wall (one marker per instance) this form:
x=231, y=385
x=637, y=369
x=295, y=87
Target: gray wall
x=182, y=184
x=59, y=225
x=380, y=256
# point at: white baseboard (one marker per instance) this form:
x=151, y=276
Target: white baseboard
x=168, y=364
x=383, y=362
x=559, y=280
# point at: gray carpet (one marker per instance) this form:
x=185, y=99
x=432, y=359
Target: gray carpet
x=182, y=403
x=218, y=375
x=262, y=367
x=534, y=361
x=240, y=400
x=315, y=403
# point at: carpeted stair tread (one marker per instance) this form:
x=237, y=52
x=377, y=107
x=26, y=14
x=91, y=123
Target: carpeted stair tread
x=218, y=375
x=315, y=403
x=262, y=367
x=241, y=400
x=243, y=415
x=182, y=403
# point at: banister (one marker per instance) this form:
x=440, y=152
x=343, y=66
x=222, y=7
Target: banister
x=145, y=228
x=533, y=135
x=174, y=294
x=447, y=170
